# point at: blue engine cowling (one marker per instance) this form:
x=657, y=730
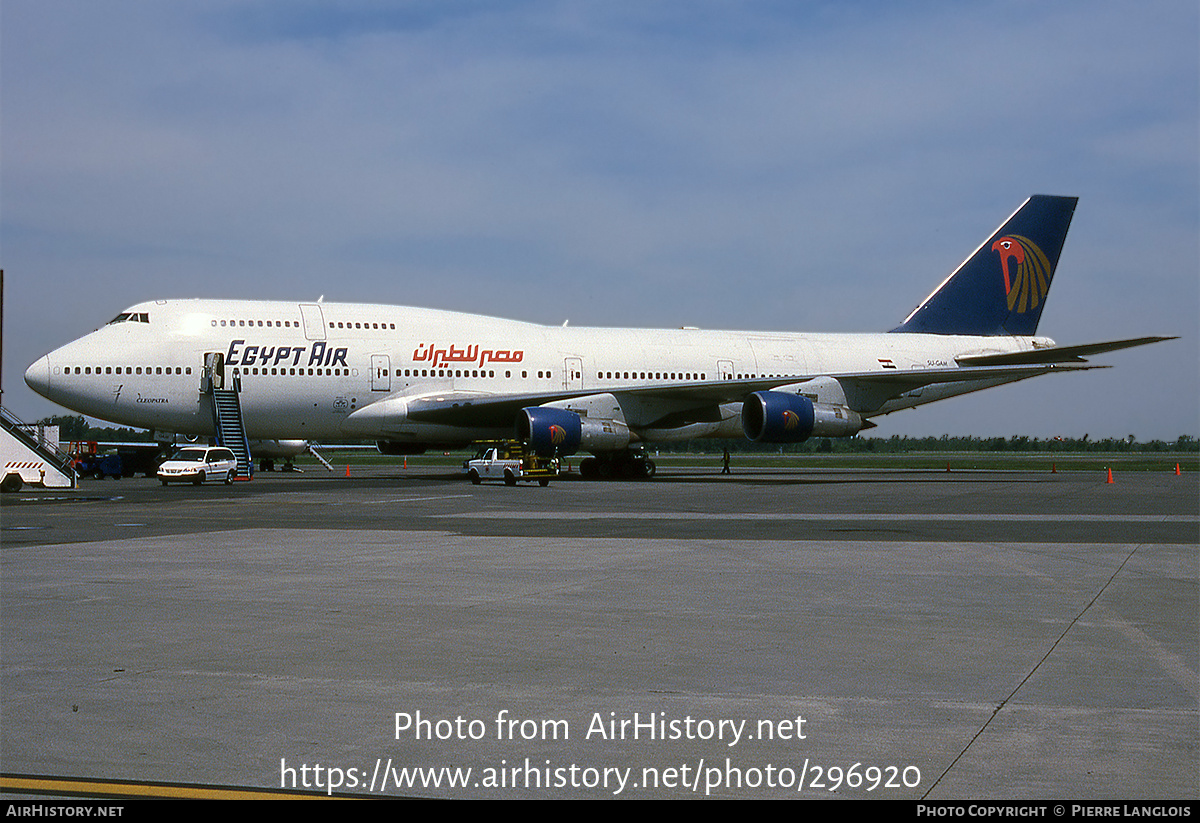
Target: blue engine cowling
x=776, y=417
x=549, y=432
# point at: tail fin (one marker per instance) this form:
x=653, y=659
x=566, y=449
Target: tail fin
x=1001, y=288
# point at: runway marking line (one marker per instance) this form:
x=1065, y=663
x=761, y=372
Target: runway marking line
x=413, y=499
x=831, y=516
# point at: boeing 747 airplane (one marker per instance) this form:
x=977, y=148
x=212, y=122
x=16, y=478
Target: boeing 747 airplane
x=414, y=379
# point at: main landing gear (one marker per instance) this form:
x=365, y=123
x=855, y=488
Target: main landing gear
x=629, y=465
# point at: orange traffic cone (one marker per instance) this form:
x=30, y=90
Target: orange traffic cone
x=1176, y=469
x=1109, y=480
x=347, y=469
x=1053, y=468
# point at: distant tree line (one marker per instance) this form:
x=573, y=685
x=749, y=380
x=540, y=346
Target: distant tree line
x=77, y=428
x=898, y=444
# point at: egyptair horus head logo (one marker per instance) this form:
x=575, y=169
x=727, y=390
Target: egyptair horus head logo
x=790, y=420
x=1026, y=272
x=557, y=435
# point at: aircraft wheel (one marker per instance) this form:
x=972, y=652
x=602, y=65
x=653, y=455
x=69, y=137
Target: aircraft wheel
x=475, y=478
x=649, y=468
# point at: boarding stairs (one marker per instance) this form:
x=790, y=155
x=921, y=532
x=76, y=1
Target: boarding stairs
x=231, y=429
x=28, y=458
x=312, y=449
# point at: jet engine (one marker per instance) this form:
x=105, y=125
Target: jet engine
x=550, y=431
x=775, y=417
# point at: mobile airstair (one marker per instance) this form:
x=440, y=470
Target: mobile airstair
x=29, y=457
x=230, y=428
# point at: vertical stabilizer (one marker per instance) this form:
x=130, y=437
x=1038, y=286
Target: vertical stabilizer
x=1002, y=286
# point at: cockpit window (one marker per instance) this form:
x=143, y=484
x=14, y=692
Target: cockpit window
x=131, y=317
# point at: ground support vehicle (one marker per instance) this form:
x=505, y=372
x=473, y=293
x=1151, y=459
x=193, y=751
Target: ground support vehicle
x=509, y=461
x=100, y=460
x=89, y=460
x=196, y=464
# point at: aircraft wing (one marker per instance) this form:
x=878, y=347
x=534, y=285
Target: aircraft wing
x=698, y=402
x=500, y=410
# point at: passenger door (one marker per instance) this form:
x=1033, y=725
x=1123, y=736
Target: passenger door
x=573, y=373
x=381, y=376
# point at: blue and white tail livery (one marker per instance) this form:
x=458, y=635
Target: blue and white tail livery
x=1001, y=288
x=414, y=379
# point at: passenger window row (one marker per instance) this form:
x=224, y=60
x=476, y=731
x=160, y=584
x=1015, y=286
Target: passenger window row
x=287, y=324
x=127, y=370
x=347, y=325
x=385, y=372
x=650, y=376
x=284, y=372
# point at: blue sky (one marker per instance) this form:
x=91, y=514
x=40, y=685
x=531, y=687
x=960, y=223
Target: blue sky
x=797, y=166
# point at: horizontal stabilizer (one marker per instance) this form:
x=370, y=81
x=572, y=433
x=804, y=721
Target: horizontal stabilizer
x=1057, y=354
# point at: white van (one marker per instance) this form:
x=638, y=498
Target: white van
x=199, y=463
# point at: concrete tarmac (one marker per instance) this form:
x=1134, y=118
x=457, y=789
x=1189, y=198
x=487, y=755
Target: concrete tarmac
x=807, y=634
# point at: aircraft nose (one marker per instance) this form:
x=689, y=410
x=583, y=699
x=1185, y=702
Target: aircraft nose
x=37, y=376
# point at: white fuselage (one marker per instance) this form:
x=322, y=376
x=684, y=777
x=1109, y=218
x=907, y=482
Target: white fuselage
x=305, y=369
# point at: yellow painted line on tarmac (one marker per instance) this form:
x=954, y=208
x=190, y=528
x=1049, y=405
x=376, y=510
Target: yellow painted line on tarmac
x=80, y=787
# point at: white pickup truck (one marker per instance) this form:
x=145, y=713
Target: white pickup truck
x=510, y=462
